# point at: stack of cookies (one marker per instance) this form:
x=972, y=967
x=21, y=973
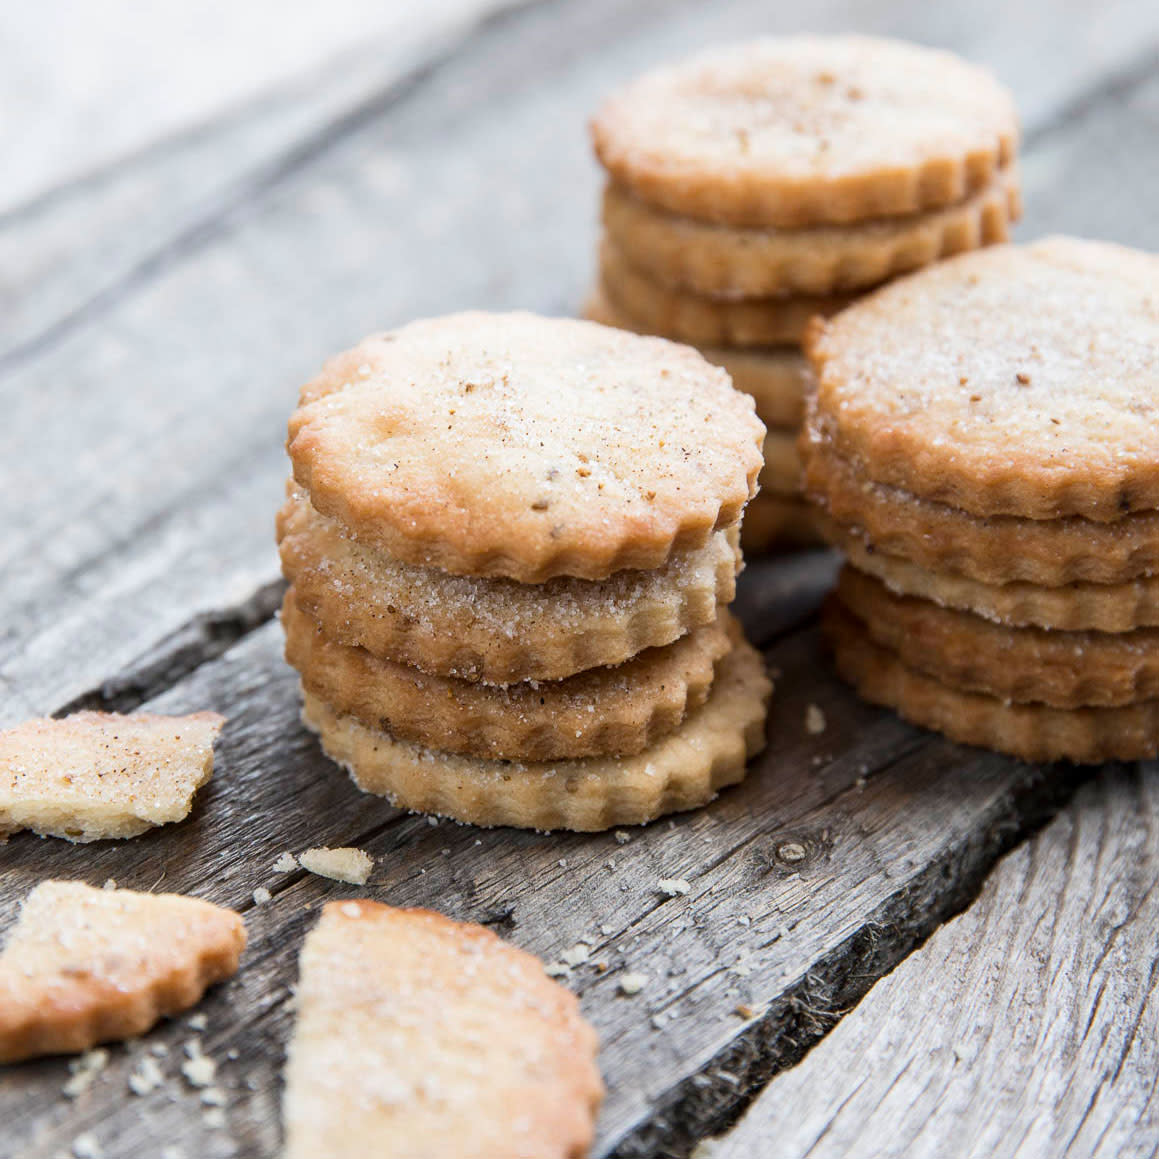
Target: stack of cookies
x=511, y=542
x=756, y=186
x=984, y=442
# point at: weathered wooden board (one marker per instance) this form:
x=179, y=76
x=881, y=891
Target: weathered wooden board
x=807, y=883
x=149, y=506
x=1027, y=1026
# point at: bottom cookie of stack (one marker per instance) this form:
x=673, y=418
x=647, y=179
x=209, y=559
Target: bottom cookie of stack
x=1036, y=693
x=686, y=768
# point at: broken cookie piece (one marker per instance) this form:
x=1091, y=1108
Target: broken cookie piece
x=97, y=775
x=436, y=1036
x=85, y=965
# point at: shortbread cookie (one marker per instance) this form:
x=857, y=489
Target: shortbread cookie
x=726, y=262
x=775, y=521
x=1033, y=732
x=1002, y=549
x=801, y=131
x=527, y=447
x=1075, y=607
x=427, y=1038
x=683, y=771
x=95, y=775
x=496, y=630
x=703, y=321
x=781, y=474
x=1028, y=665
x=600, y=712
x=777, y=377
x=85, y=965
x=1018, y=381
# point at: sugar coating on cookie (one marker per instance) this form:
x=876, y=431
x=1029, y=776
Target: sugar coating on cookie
x=1019, y=380
x=97, y=775
x=496, y=630
x=806, y=130
x=85, y=965
x=520, y=446
x=683, y=770
x=433, y=1038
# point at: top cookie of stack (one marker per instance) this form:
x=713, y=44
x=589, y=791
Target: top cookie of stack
x=985, y=442
x=510, y=540
x=755, y=186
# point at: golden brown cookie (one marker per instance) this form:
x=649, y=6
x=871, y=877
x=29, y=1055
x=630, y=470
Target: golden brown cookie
x=1033, y=732
x=718, y=261
x=601, y=712
x=496, y=630
x=701, y=321
x=801, y=131
x=999, y=550
x=683, y=771
x=427, y=1038
x=514, y=445
x=85, y=965
x=1027, y=665
x=1016, y=381
x=773, y=521
x=1074, y=607
x=777, y=377
x=97, y=775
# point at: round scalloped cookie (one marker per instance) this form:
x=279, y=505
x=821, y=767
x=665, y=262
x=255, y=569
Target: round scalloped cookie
x=804, y=131
x=1025, y=665
x=514, y=445
x=683, y=771
x=1019, y=380
x=703, y=321
x=727, y=262
x=1034, y=732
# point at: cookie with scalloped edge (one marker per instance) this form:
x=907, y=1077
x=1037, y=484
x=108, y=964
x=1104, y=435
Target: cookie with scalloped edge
x=84, y=965
x=777, y=377
x=97, y=775
x=728, y=262
x=496, y=630
x=1015, y=381
x=1002, y=549
x=430, y=1038
x=1075, y=607
x=799, y=131
x=527, y=447
x=1034, y=732
x=703, y=321
x=601, y=712
x=1026, y=665
x=684, y=770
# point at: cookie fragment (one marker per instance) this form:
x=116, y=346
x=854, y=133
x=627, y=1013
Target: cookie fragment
x=85, y=965
x=513, y=445
x=437, y=1037
x=800, y=131
x=685, y=769
x=96, y=775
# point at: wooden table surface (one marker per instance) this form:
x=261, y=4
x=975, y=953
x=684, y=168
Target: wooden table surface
x=892, y=944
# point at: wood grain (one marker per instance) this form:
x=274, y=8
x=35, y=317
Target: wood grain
x=1027, y=1026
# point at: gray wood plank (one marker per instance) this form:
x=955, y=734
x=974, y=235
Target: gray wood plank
x=807, y=883
x=141, y=447
x=1027, y=1027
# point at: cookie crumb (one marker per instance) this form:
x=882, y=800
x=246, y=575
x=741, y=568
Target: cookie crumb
x=285, y=863
x=262, y=895
x=673, y=886
x=199, y=1069
x=792, y=852
x=814, y=720
x=557, y=970
x=86, y=1146
x=146, y=1077
x=352, y=866
x=633, y=983
x=214, y=1118
x=110, y=883
x=622, y=836
x=198, y=1022
x=213, y=1097
x=84, y=1071
x=576, y=956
